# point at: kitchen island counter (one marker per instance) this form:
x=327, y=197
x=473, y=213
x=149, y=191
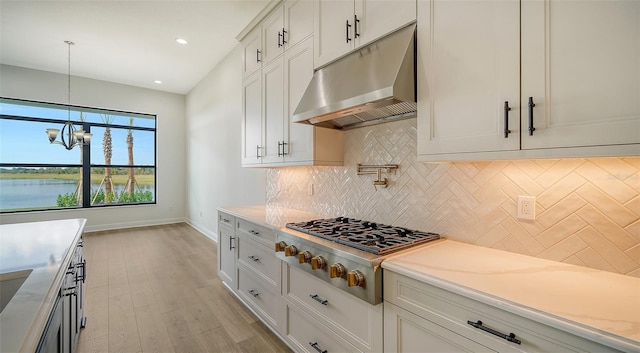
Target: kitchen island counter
x=46, y=249
x=600, y=306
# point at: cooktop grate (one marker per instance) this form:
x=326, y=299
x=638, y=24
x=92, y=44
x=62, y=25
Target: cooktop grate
x=375, y=238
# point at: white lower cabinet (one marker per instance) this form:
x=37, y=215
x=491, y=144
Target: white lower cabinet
x=408, y=332
x=308, y=335
x=346, y=316
x=418, y=314
x=260, y=295
x=226, y=249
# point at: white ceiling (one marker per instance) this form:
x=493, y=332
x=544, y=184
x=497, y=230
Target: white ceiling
x=129, y=42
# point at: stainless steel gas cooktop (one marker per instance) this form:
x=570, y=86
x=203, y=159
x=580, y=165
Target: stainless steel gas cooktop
x=346, y=252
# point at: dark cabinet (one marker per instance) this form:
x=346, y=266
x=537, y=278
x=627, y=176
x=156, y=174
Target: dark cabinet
x=67, y=317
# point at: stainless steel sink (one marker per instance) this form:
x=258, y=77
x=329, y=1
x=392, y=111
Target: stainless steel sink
x=10, y=282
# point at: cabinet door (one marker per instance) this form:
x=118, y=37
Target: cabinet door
x=273, y=97
x=298, y=21
x=333, y=38
x=272, y=28
x=297, y=74
x=407, y=332
x=468, y=67
x=252, y=52
x=580, y=64
x=252, y=119
x=377, y=18
x=226, y=255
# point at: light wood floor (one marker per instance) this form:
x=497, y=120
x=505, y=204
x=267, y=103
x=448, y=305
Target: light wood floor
x=155, y=289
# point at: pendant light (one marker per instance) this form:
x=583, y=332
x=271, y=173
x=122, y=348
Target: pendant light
x=70, y=136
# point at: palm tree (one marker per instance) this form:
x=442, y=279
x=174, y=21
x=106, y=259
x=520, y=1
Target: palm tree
x=107, y=150
x=132, y=178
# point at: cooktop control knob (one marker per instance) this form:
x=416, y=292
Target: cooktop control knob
x=304, y=257
x=337, y=270
x=318, y=262
x=355, y=278
x=290, y=250
x=280, y=246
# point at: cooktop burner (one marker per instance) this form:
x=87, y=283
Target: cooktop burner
x=375, y=238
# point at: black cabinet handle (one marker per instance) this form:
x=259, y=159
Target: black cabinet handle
x=506, y=119
x=355, y=26
x=254, y=293
x=317, y=348
x=258, y=55
x=318, y=299
x=258, y=151
x=284, y=41
x=283, y=153
x=511, y=337
x=231, y=247
x=348, y=26
x=531, y=105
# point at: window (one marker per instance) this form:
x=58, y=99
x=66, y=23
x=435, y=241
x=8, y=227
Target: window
x=116, y=168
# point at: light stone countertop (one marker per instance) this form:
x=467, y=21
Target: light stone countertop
x=270, y=216
x=600, y=306
x=46, y=248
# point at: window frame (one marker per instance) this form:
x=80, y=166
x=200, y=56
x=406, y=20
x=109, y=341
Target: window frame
x=86, y=164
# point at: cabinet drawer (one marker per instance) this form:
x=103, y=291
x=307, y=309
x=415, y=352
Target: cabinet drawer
x=260, y=295
x=260, y=233
x=341, y=311
x=261, y=259
x=310, y=336
x=454, y=311
x=226, y=219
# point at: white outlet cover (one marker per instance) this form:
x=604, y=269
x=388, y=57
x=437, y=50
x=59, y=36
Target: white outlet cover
x=527, y=208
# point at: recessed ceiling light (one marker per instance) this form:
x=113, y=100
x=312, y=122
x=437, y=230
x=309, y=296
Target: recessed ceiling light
x=158, y=82
x=181, y=41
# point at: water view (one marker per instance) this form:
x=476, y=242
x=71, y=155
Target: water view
x=41, y=193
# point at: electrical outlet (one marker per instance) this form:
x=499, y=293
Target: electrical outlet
x=527, y=208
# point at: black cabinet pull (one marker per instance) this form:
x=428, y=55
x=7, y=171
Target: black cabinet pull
x=506, y=119
x=531, y=105
x=317, y=348
x=284, y=41
x=511, y=337
x=258, y=151
x=283, y=153
x=258, y=55
x=318, y=299
x=231, y=247
x=348, y=26
x=355, y=26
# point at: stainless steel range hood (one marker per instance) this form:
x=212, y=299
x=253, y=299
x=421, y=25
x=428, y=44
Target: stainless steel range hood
x=372, y=85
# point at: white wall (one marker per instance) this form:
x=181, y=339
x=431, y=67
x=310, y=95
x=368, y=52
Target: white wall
x=214, y=175
x=17, y=82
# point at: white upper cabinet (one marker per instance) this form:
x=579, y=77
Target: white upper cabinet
x=298, y=72
x=252, y=120
x=581, y=66
x=285, y=27
x=578, y=63
x=298, y=21
x=468, y=67
x=273, y=95
x=344, y=25
x=252, y=52
x=272, y=32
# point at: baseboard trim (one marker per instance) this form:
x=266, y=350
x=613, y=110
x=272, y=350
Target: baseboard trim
x=208, y=233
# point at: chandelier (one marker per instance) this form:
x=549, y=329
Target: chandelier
x=70, y=136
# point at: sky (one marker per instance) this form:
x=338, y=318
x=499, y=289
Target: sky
x=27, y=142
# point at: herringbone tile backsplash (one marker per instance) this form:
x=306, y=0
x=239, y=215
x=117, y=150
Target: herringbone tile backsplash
x=587, y=210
